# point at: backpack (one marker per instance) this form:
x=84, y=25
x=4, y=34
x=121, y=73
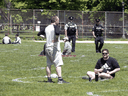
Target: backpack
x=71, y=30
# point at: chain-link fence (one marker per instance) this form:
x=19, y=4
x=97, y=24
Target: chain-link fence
x=31, y=20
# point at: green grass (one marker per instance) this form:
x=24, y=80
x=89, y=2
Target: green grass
x=22, y=63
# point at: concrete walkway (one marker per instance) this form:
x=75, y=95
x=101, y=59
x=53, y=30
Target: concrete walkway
x=111, y=42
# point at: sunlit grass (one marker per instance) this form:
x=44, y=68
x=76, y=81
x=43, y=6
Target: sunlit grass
x=21, y=68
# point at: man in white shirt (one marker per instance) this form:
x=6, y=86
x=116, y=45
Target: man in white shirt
x=6, y=40
x=53, y=51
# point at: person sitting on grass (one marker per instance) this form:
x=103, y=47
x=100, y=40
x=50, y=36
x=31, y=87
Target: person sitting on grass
x=106, y=67
x=18, y=40
x=67, y=46
x=6, y=39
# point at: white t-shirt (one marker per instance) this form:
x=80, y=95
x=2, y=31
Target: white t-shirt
x=67, y=46
x=51, y=39
x=6, y=39
x=53, y=52
x=18, y=40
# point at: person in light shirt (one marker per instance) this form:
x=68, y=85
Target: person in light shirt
x=67, y=46
x=52, y=50
x=6, y=39
x=18, y=40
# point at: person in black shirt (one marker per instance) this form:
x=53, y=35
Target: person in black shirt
x=97, y=34
x=106, y=67
x=71, y=32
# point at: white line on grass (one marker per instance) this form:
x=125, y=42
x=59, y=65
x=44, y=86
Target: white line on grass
x=111, y=91
x=111, y=42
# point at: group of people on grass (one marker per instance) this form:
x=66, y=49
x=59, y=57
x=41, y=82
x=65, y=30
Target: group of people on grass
x=105, y=68
x=7, y=40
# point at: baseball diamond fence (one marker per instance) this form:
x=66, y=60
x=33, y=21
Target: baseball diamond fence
x=33, y=20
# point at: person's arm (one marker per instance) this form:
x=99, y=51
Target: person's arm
x=98, y=70
x=93, y=33
x=42, y=33
x=65, y=30
x=114, y=71
x=3, y=41
x=76, y=33
x=102, y=28
x=65, y=33
x=16, y=40
x=42, y=36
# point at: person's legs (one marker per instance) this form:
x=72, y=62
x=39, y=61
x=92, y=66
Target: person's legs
x=73, y=43
x=69, y=37
x=105, y=76
x=91, y=75
x=49, y=63
x=58, y=71
x=58, y=62
x=101, y=43
x=48, y=70
x=96, y=45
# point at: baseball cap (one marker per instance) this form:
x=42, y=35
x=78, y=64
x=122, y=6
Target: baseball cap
x=97, y=20
x=71, y=18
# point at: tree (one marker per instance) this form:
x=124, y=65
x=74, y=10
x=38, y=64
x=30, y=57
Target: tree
x=52, y=4
x=80, y=5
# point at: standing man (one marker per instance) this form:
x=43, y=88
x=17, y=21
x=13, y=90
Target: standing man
x=71, y=32
x=106, y=67
x=97, y=34
x=53, y=51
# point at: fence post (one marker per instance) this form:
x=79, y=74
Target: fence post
x=33, y=20
x=8, y=21
x=123, y=36
x=58, y=13
x=82, y=24
x=105, y=24
x=11, y=24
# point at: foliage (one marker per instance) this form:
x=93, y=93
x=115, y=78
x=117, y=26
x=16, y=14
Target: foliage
x=81, y=5
x=21, y=68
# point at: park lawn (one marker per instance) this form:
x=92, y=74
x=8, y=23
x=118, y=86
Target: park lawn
x=22, y=71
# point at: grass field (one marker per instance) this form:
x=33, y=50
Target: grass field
x=21, y=68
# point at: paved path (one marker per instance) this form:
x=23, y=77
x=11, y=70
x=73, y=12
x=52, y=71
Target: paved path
x=111, y=42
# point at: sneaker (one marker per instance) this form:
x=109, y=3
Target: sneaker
x=62, y=81
x=50, y=81
x=85, y=77
x=90, y=79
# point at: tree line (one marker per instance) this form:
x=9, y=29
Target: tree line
x=80, y=5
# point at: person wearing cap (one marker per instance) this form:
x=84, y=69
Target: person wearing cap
x=97, y=34
x=71, y=32
x=6, y=39
x=18, y=40
x=67, y=46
